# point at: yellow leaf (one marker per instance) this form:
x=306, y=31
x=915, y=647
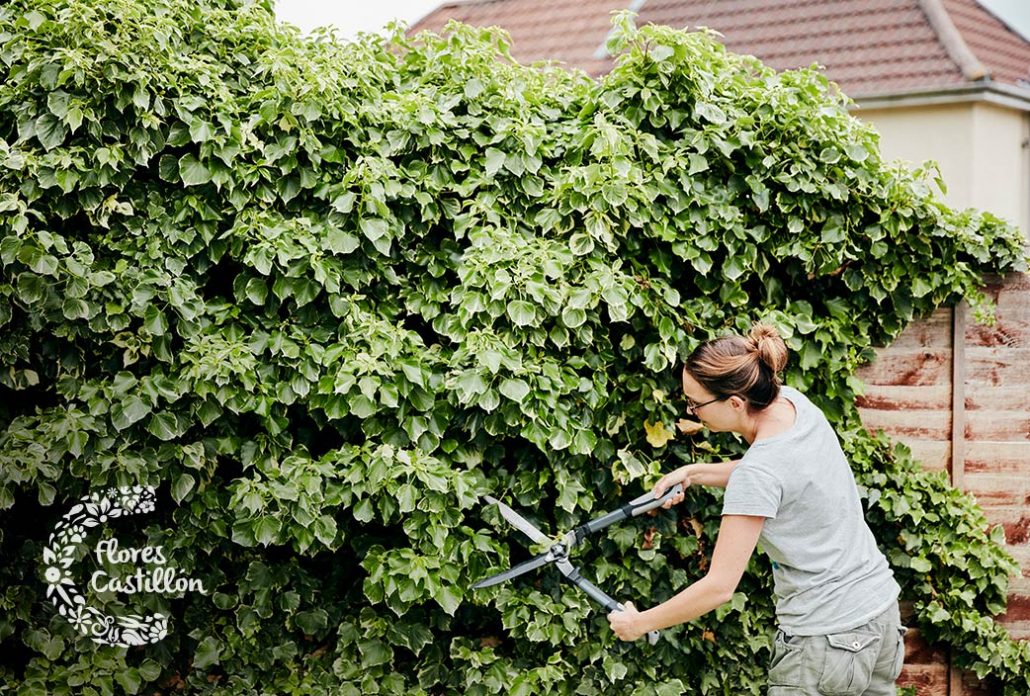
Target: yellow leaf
x=689, y=427
x=657, y=435
x=696, y=526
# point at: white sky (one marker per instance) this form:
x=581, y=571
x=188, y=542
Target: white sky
x=1016, y=13
x=352, y=16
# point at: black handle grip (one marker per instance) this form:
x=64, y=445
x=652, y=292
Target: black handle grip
x=597, y=594
x=633, y=508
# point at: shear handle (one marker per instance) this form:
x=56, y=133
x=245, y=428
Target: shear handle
x=597, y=594
x=633, y=508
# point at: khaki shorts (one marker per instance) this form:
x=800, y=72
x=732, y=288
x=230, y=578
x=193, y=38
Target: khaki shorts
x=864, y=661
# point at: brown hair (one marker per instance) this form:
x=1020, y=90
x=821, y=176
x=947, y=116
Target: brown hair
x=748, y=366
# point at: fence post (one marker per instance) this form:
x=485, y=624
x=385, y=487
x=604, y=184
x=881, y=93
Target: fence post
x=958, y=436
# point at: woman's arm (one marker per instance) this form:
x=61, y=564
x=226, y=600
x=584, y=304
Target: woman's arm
x=738, y=536
x=716, y=474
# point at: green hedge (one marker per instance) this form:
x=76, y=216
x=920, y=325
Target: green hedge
x=325, y=296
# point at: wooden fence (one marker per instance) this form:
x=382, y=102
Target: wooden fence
x=958, y=394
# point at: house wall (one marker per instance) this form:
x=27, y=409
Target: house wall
x=958, y=394
x=979, y=147
x=1000, y=175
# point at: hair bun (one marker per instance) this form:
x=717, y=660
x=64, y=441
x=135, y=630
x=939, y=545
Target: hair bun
x=771, y=349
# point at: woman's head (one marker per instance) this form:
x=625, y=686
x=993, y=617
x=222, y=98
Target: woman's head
x=741, y=370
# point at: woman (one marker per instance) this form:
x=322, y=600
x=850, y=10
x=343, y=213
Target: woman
x=836, y=597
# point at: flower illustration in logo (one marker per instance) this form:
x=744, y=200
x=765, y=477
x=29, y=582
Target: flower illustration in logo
x=58, y=557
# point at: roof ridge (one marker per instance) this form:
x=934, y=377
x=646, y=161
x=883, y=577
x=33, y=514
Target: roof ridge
x=955, y=46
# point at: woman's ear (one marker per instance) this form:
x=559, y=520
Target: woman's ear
x=738, y=403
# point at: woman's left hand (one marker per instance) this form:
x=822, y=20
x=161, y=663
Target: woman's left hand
x=625, y=624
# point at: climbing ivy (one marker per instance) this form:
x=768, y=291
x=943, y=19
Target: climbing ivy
x=325, y=296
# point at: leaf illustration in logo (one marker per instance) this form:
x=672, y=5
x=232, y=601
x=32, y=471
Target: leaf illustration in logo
x=94, y=510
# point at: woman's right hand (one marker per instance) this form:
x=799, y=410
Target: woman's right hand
x=681, y=475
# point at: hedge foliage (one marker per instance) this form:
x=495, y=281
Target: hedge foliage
x=326, y=295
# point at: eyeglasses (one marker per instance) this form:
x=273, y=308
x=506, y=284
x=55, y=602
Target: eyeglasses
x=693, y=406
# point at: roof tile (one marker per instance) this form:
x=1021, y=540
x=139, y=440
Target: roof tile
x=869, y=47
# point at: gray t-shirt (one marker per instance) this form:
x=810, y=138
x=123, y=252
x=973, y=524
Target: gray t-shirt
x=828, y=573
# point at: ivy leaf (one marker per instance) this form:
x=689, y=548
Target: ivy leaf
x=339, y=241
x=266, y=529
x=193, y=171
x=494, y=161
x=710, y=112
x=689, y=427
x=661, y=52
x=374, y=228
x=155, y=321
x=150, y=670
x=522, y=313
x=615, y=669
x=920, y=565
x=34, y=20
x=474, y=87
x=168, y=168
x=492, y=360
x=256, y=291
x=325, y=529
x=182, y=486
x=51, y=131
x=209, y=652
x=657, y=435
x=129, y=679
x=201, y=130
x=129, y=411
x=374, y=652
x=164, y=426
x=74, y=308
x=573, y=318
x=581, y=244
x=312, y=621
x=58, y=102
x=448, y=599
x=514, y=389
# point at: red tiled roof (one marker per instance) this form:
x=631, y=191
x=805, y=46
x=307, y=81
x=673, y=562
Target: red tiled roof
x=869, y=47
x=569, y=31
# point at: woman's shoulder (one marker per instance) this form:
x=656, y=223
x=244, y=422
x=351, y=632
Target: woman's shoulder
x=792, y=393
x=802, y=404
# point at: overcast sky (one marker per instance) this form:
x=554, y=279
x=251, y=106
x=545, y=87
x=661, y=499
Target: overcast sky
x=352, y=16
x=1016, y=13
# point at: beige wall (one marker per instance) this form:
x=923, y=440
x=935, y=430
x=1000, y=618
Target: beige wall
x=980, y=148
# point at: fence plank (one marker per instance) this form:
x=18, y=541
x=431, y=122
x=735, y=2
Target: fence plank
x=999, y=457
x=918, y=424
x=909, y=367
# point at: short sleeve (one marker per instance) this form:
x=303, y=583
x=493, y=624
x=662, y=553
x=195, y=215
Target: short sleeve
x=752, y=491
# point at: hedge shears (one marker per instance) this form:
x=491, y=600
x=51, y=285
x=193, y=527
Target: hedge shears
x=558, y=553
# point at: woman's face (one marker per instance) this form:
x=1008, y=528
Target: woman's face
x=718, y=415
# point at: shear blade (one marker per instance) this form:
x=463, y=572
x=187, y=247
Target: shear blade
x=520, y=522
x=524, y=567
